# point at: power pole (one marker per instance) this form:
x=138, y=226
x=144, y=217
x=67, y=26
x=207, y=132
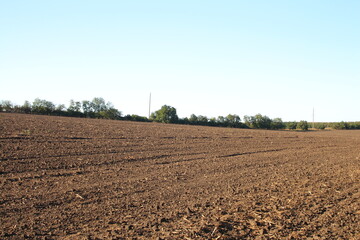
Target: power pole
x=313, y=125
x=149, y=104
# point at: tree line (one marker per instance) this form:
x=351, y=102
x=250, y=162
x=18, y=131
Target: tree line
x=167, y=114
x=99, y=108
x=338, y=125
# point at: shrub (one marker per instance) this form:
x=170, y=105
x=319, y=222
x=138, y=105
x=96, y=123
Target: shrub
x=340, y=125
x=303, y=125
x=135, y=117
x=320, y=126
x=111, y=113
x=291, y=125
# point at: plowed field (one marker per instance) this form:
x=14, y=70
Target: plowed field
x=69, y=178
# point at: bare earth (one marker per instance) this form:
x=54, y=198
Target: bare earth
x=68, y=178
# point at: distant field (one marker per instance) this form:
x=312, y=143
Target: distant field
x=70, y=178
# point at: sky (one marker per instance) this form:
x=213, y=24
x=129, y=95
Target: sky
x=279, y=58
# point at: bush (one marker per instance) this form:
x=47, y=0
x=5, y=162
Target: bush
x=320, y=126
x=111, y=113
x=354, y=125
x=340, y=125
x=303, y=125
x=135, y=117
x=291, y=125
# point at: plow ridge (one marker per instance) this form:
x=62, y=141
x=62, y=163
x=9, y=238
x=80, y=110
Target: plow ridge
x=93, y=179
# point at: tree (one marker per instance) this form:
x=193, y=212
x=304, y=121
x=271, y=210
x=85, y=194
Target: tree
x=341, y=125
x=98, y=105
x=320, y=126
x=303, y=125
x=74, y=109
x=202, y=120
x=193, y=119
x=6, y=105
x=249, y=120
x=110, y=113
x=291, y=125
x=263, y=122
x=258, y=121
x=277, y=123
x=74, y=106
x=26, y=107
x=233, y=120
x=87, y=108
x=61, y=107
x=135, y=117
x=212, y=121
x=221, y=121
x=60, y=110
x=166, y=114
x=183, y=121
x=42, y=106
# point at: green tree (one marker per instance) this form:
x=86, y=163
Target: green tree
x=74, y=106
x=221, y=121
x=138, y=118
x=212, y=121
x=233, y=120
x=6, y=105
x=258, y=121
x=26, y=107
x=166, y=114
x=263, y=122
x=193, y=119
x=183, y=120
x=41, y=106
x=60, y=110
x=202, y=120
x=98, y=105
x=249, y=120
x=303, y=125
x=277, y=123
x=291, y=125
x=74, y=109
x=341, y=125
x=110, y=113
x=320, y=126
x=87, y=109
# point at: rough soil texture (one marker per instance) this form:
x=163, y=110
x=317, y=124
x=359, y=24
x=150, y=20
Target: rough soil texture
x=68, y=178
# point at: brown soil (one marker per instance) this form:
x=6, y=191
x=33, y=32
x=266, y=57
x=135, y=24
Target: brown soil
x=68, y=178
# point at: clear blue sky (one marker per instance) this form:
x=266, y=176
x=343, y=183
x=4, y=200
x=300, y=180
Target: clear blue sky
x=277, y=58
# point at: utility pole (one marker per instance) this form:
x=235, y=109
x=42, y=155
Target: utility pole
x=313, y=125
x=149, y=104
